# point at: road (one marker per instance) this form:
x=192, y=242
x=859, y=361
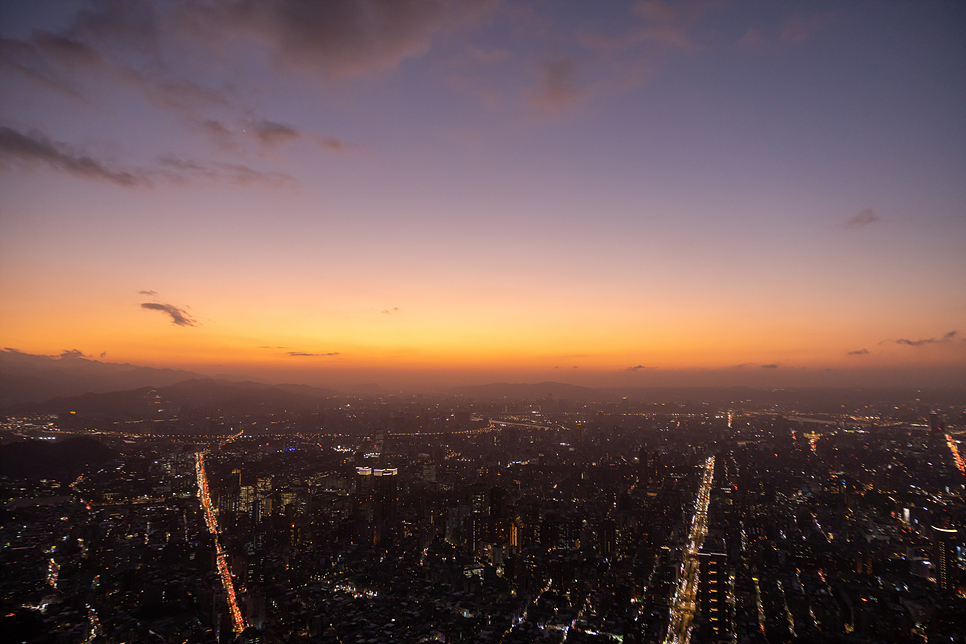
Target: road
x=683, y=607
x=222, y=556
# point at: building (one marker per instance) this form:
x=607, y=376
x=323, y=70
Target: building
x=713, y=591
x=945, y=541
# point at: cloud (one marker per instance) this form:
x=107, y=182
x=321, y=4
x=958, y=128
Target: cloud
x=218, y=133
x=918, y=343
x=103, y=353
x=179, y=317
x=181, y=170
x=35, y=147
x=636, y=368
x=301, y=354
x=862, y=219
x=131, y=26
x=489, y=55
x=39, y=58
x=67, y=51
x=346, y=38
x=172, y=94
x=860, y=352
x=769, y=366
x=793, y=32
x=390, y=311
x=271, y=134
x=752, y=39
x=149, y=293
x=800, y=28
x=71, y=353
x=330, y=143
x=242, y=175
x=743, y=364
x=557, y=91
x=268, y=347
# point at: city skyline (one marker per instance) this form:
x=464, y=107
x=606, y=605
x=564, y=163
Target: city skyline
x=423, y=194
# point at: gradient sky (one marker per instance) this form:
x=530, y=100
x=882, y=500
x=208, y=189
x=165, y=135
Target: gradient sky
x=422, y=193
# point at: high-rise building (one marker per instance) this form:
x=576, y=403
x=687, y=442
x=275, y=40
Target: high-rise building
x=375, y=503
x=713, y=591
x=608, y=537
x=945, y=541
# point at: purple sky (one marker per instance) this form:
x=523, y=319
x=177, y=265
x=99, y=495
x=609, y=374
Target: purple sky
x=436, y=192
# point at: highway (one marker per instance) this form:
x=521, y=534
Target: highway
x=683, y=606
x=222, y=556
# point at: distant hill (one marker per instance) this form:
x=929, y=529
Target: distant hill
x=58, y=460
x=199, y=393
x=540, y=391
x=26, y=377
x=816, y=399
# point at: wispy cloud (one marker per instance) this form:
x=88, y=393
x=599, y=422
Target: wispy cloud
x=179, y=170
x=799, y=29
x=148, y=293
x=179, y=317
x=271, y=134
x=557, y=91
x=302, y=354
x=859, y=352
x=394, y=309
x=769, y=366
x=918, y=343
x=636, y=368
x=794, y=31
x=35, y=147
x=66, y=354
x=862, y=219
x=342, y=38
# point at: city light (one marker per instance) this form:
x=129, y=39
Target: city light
x=683, y=608
x=221, y=556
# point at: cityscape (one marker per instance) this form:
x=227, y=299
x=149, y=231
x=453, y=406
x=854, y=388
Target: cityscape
x=482, y=322
x=409, y=518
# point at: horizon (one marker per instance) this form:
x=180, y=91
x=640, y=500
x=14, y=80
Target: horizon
x=436, y=194
x=342, y=385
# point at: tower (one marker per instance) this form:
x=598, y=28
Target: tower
x=944, y=545
x=713, y=591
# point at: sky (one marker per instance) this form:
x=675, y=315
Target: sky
x=426, y=193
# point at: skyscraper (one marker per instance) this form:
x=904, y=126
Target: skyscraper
x=944, y=544
x=714, y=591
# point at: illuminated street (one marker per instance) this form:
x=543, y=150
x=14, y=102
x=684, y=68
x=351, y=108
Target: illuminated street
x=222, y=557
x=682, y=611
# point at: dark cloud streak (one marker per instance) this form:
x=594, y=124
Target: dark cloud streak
x=862, y=219
x=36, y=147
x=918, y=343
x=179, y=317
x=302, y=354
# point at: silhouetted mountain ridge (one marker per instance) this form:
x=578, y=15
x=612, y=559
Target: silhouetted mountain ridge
x=195, y=394
x=26, y=377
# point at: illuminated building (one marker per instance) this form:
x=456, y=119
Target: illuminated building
x=375, y=502
x=945, y=541
x=714, y=591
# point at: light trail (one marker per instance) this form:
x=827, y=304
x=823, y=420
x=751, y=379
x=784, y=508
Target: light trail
x=682, y=610
x=221, y=555
x=955, y=452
